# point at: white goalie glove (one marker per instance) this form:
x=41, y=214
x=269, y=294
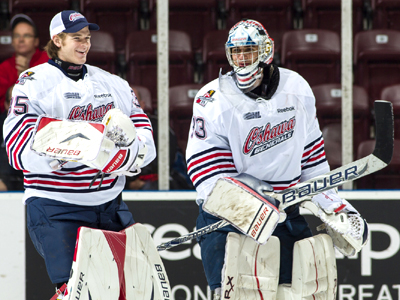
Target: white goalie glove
x=111, y=146
x=121, y=152
x=346, y=227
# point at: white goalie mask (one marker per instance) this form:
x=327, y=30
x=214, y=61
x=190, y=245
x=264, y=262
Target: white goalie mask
x=247, y=46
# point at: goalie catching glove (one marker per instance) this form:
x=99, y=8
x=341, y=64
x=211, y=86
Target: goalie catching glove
x=346, y=227
x=121, y=152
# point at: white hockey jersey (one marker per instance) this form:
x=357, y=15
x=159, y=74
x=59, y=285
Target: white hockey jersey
x=46, y=90
x=277, y=140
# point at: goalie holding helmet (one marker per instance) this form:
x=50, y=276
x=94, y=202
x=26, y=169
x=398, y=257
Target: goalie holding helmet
x=75, y=131
x=254, y=130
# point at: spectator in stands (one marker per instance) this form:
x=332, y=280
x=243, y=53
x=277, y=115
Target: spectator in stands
x=27, y=54
x=10, y=179
x=148, y=178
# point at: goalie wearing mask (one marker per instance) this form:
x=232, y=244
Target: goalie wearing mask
x=259, y=121
x=72, y=105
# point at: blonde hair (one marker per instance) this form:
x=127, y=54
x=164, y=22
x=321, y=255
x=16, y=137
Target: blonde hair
x=51, y=48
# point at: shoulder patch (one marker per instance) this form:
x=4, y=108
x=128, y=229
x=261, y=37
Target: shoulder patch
x=207, y=97
x=24, y=77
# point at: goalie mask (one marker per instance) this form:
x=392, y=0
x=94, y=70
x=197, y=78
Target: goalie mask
x=247, y=46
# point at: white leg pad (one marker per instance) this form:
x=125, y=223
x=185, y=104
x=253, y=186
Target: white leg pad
x=314, y=274
x=145, y=273
x=251, y=270
x=121, y=265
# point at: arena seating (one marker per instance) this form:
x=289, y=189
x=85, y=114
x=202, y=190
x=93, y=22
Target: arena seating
x=117, y=17
x=387, y=178
x=141, y=58
x=102, y=52
x=181, y=100
x=275, y=15
x=6, y=49
x=376, y=60
x=214, y=56
x=325, y=14
x=332, y=134
x=313, y=53
x=329, y=109
x=392, y=94
x=196, y=18
x=386, y=14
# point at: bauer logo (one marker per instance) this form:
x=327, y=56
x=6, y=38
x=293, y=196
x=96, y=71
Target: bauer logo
x=324, y=183
x=163, y=281
x=259, y=223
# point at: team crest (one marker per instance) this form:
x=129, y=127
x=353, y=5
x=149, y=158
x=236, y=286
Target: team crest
x=207, y=97
x=24, y=77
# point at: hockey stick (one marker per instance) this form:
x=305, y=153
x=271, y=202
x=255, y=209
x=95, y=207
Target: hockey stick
x=380, y=158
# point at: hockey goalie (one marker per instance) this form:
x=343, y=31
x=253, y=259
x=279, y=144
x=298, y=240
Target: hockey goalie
x=260, y=120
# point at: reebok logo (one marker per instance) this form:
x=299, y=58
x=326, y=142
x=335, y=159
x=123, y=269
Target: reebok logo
x=103, y=96
x=286, y=109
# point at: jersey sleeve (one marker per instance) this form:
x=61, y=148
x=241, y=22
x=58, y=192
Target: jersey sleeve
x=144, y=129
x=208, y=153
x=18, y=131
x=313, y=161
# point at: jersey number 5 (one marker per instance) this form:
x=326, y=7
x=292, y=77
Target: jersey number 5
x=20, y=105
x=199, y=128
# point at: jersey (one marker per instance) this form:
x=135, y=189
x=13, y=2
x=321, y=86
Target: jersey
x=46, y=90
x=277, y=140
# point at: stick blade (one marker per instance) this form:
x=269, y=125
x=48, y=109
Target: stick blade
x=384, y=130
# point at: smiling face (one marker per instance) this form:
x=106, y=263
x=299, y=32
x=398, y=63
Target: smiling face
x=74, y=47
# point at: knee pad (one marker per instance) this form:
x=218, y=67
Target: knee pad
x=251, y=270
x=314, y=274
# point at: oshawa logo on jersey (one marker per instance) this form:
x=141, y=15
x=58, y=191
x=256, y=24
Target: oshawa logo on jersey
x=89, y=113
x=207, y=97
x=24, y=77
x=265, y=137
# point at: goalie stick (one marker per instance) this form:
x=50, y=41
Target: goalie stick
x=380, y=158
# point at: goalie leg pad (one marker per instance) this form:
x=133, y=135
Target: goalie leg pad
x=314, y=274
x=105, y=261
x=240, y=201
x=251, y=271
x=144, y=269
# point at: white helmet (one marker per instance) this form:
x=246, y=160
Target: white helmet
x=260, y=49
